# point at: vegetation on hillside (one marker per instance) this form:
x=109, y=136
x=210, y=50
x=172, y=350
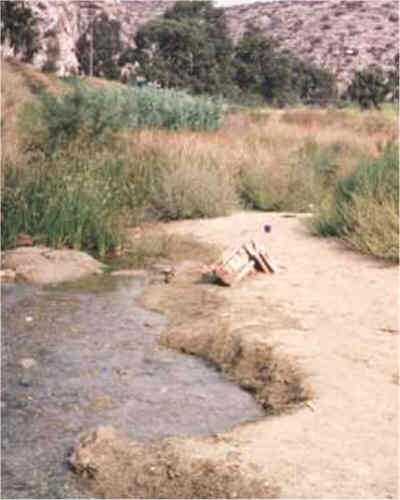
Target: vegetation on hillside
x=189, y=49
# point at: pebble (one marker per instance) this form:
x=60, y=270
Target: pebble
x=28, y=363
x=26, y=380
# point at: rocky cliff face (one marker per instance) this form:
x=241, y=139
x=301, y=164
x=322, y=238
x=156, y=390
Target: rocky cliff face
x=340, y=35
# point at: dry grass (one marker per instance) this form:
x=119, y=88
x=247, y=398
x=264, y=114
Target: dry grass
x=273, y=160
x=117, y=468
x=150, y=244
x=376, y=227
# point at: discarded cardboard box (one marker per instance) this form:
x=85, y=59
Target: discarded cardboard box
x=244, y=260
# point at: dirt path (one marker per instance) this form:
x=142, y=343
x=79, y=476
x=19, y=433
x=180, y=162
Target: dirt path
x=336, y=312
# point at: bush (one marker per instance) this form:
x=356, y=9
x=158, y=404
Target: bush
x=92, y=114
x=370, y=86
x=365, y=207
x=174, y=110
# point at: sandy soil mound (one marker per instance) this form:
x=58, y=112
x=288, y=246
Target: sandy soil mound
x=117, y=468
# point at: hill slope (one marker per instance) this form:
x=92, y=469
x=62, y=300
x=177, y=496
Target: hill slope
x=341, y=35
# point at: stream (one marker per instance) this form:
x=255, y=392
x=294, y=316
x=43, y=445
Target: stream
x=84, y=354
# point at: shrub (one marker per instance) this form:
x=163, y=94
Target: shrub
x=174, y=110
x=92, y=114
x=370, y=86
x=365, y=207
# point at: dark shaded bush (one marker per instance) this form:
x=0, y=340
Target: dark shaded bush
x=106, y=45
x=370, y=87
x=19, y=28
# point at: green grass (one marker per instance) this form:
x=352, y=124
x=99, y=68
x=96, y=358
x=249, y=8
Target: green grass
x=60, y=205
x=365, y=207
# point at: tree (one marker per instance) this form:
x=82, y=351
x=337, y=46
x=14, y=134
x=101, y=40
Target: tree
x=261, y=67
x=19, y=27
x=106, y=45
x=255, y=60
x=370, y=86
x=187, y=48
x=394, y=79
x=312, y=84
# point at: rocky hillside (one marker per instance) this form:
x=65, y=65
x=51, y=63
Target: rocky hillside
x=341, y=35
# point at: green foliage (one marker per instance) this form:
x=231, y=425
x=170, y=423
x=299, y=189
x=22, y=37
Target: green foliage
x=189, y=48
x=91, y=115
x=370, y=86
x=365, y=206
x=281, y=78
x=106, y=47
x=394, y=79
x=61, y=204
x=255, y=60
x=312, y=84
x=171, y=109
x=19, y=27
x=81, y=112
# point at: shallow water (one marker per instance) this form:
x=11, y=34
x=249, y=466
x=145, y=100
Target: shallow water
x=98, y=362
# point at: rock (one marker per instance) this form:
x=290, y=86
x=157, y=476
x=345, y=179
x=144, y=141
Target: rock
x=84, y=453
x=42, y=265
x=23, y=240
x=26, y=380
x=163, y=273
x=7, y=275
x=28, y=363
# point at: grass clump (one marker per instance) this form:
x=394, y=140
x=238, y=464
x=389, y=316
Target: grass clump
x=197, y=190
x=303, y=180
x=365, y=207
x=60, y=205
